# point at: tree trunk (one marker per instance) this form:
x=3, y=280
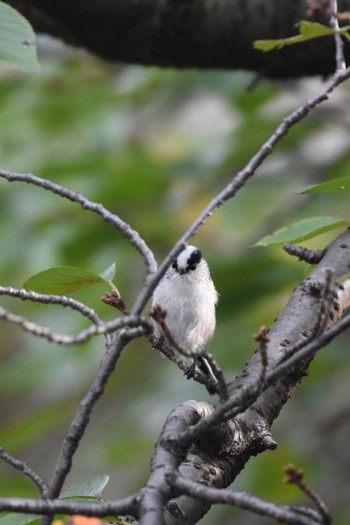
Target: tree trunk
x=206, y=34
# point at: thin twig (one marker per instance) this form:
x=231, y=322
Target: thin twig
x=27, y=471
x=82, y=416
x=282, y=514
x=82, y=336
x=124, y=228
x=339, y=46
x=296, y=476
x=61, y=300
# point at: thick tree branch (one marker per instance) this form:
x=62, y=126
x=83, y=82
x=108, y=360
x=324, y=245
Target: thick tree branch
x=185, y=33
x=196, y=437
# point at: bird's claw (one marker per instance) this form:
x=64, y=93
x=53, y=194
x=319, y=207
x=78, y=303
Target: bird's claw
x=158, y=343
x=189, y=372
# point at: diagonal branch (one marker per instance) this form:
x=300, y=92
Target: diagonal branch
x=239, y=180
x=86, y=204
x=82, y=416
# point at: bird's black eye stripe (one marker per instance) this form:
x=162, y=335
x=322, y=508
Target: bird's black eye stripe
x=193, y=260
x=174, y=265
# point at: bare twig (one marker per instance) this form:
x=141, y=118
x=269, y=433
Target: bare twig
x=296, y=476
x=61, y=300
x=23, y=467
x=339, y=46
x=82, y=416
x=283, y=514
x=127, y=505
x=86, y=204
x=82, y=336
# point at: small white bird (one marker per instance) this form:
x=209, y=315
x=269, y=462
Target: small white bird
x=188, y=297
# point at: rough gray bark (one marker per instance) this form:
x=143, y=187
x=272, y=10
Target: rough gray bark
x=187, y=33
x=220, y=454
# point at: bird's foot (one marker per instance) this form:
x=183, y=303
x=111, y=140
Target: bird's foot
x=158, y=343
x=189, y=372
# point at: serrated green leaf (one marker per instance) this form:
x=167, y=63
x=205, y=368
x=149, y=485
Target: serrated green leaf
x=332, y=186
x=302, y=230
x=91, y=488
x=307, y=31
x=109, y=273
x=63, y=280
x=17, y=40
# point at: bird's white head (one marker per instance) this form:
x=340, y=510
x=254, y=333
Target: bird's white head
x=188, y=260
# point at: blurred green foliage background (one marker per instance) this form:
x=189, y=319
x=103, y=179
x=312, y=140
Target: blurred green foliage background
x=154, y=146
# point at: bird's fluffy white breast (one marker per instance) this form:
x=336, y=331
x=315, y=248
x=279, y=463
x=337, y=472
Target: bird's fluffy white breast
x=189, y=302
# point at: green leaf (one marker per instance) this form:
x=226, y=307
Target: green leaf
x=313, y=29
x=302, y=230
x=332, y=186
x=63, y=280
x=15, y=518
x=17, y=40
x=92, y=488
x=307, y=31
